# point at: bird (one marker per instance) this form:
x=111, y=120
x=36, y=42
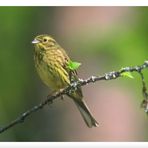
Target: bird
x=51, y=62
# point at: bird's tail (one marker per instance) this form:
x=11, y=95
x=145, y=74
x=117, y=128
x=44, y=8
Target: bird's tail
x=85, y=112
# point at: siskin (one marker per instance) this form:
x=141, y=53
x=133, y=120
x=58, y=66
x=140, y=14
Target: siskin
x=51, y=62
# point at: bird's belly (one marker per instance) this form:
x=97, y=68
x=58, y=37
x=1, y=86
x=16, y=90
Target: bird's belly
x=51, y=79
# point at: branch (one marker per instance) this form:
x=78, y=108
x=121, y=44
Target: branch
x=108, y=76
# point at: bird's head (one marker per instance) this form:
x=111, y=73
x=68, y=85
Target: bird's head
x=44, y=42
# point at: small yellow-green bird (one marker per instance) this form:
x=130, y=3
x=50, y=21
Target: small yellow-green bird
x=51, y=62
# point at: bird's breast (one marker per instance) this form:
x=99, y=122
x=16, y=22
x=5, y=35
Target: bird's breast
x=50, y=71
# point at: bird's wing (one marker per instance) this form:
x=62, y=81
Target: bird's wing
x=72, y=73
x=73, y=76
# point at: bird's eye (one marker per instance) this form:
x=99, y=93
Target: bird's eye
x=44, y=40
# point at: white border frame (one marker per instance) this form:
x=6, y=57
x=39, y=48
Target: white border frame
x=74, y=144
x=74, y=3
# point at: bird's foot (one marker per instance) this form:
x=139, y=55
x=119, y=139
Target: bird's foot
x=49, y=98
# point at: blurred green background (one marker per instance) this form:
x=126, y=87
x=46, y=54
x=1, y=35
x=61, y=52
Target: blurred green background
x=103, y=39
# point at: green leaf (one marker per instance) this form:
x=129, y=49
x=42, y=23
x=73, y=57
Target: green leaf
x=73, y=65
x=127, y=74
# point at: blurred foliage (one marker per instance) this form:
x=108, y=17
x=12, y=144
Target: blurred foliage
x=122, y=45
x=19, y=25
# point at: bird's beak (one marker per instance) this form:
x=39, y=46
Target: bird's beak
x=35, y=41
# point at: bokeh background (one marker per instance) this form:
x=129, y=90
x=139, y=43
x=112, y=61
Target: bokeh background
x=103, y=39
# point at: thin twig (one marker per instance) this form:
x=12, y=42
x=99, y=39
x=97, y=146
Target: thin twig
x=108, y=76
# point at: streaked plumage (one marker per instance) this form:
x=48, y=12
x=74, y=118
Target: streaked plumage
x=51, y=62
